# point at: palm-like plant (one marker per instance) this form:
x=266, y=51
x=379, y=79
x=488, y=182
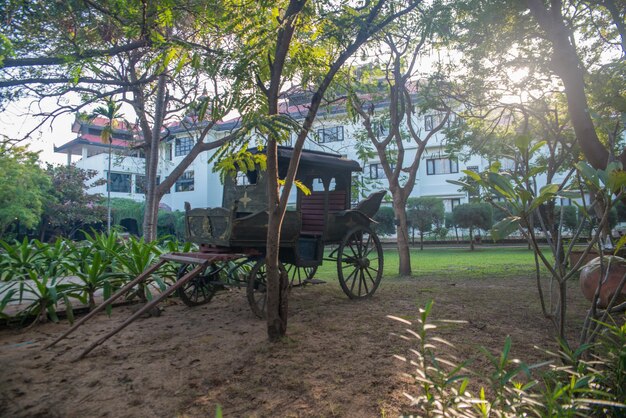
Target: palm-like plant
x=93, y=271
x=18, y=259
x=137, y=257
x=110, y=111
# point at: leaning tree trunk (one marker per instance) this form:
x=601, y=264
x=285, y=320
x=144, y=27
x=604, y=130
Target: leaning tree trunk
x=568, y=66
x=277, y=283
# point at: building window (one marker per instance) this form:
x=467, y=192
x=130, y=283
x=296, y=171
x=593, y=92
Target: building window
x=334, y=134
x=441, y=166
x=168, y=152
x=429, y=122
x=377, y=171
x=450, y=204
x=119, y=182
x=185, y=183
x=183, y=146
x=140, y=184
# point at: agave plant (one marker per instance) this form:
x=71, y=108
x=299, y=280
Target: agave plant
x=93, y=271
x=18, y=259
x=136, y=257
x=38, y=295
x=107, y=245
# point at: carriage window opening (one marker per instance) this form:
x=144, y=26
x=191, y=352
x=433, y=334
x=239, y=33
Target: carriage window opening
x=318, y=185
x=333, y=185
x=247, y=178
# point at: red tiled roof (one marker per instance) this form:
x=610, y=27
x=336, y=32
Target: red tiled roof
x=97, y=139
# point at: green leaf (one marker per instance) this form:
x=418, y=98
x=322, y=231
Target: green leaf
x=69, y=309
x=588, y=173
x=504, y=228
x=536, y=147
x=522, y=142
x=616, y=180
x=458, y=183
x=620, y=244
x=501, y=184
x=106, y=294
x=473, y=175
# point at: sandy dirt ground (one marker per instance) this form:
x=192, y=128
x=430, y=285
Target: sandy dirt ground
x=336, y=361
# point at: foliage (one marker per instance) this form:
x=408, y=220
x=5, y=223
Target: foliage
x=126, y=208
x=527, y=211
x=136, y=256
x=24, y=188
x=473, y=216
x=171, y=223
x=443, y=383
x=93, y=269
x=69, y=207
x=388, y=102
x=36, y=275
x=423, y=213
x=385, y=218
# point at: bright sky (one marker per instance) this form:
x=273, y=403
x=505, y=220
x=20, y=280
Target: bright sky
x=15, y=122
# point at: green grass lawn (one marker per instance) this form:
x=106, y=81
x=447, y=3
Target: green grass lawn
x=454, y=262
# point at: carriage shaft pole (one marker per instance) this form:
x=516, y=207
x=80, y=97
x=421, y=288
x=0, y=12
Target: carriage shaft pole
x=187, y=277
x=143, y=276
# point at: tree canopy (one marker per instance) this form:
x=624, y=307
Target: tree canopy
x=24, y=188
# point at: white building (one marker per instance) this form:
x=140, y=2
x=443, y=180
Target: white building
x=201, y=187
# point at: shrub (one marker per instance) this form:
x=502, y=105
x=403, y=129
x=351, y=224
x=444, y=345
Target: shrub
x=386, y=221
x=566, y=385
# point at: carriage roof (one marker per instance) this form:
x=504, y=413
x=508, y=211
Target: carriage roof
x=317, y=160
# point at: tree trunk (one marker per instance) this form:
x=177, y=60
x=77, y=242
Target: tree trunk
x=151, y=209
x=471, y=238
x=421, y=241
x=568, y=66
x=277, y=283
x=402, y=231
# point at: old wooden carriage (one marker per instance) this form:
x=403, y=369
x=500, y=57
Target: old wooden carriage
x=321, y=226
x=321, y=217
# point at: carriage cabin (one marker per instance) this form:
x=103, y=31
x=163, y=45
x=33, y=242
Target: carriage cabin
x=327, y=176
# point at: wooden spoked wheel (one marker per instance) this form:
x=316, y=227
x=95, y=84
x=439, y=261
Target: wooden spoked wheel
x=257, y=288
x=202, y=288
x=298, y=276
x=360, y=263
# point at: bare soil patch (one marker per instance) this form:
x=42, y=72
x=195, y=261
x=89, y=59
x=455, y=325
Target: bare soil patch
x=337, y=360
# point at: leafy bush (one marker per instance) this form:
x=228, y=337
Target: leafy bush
x=473, y=216
x=423, y=213
x=34, y=274
x=567, y=385
x=386, y=221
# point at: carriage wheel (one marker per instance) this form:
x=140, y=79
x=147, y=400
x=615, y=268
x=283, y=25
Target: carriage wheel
x=360, y=263
x=257, y=288
x=200, y=289
x=299, y=275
